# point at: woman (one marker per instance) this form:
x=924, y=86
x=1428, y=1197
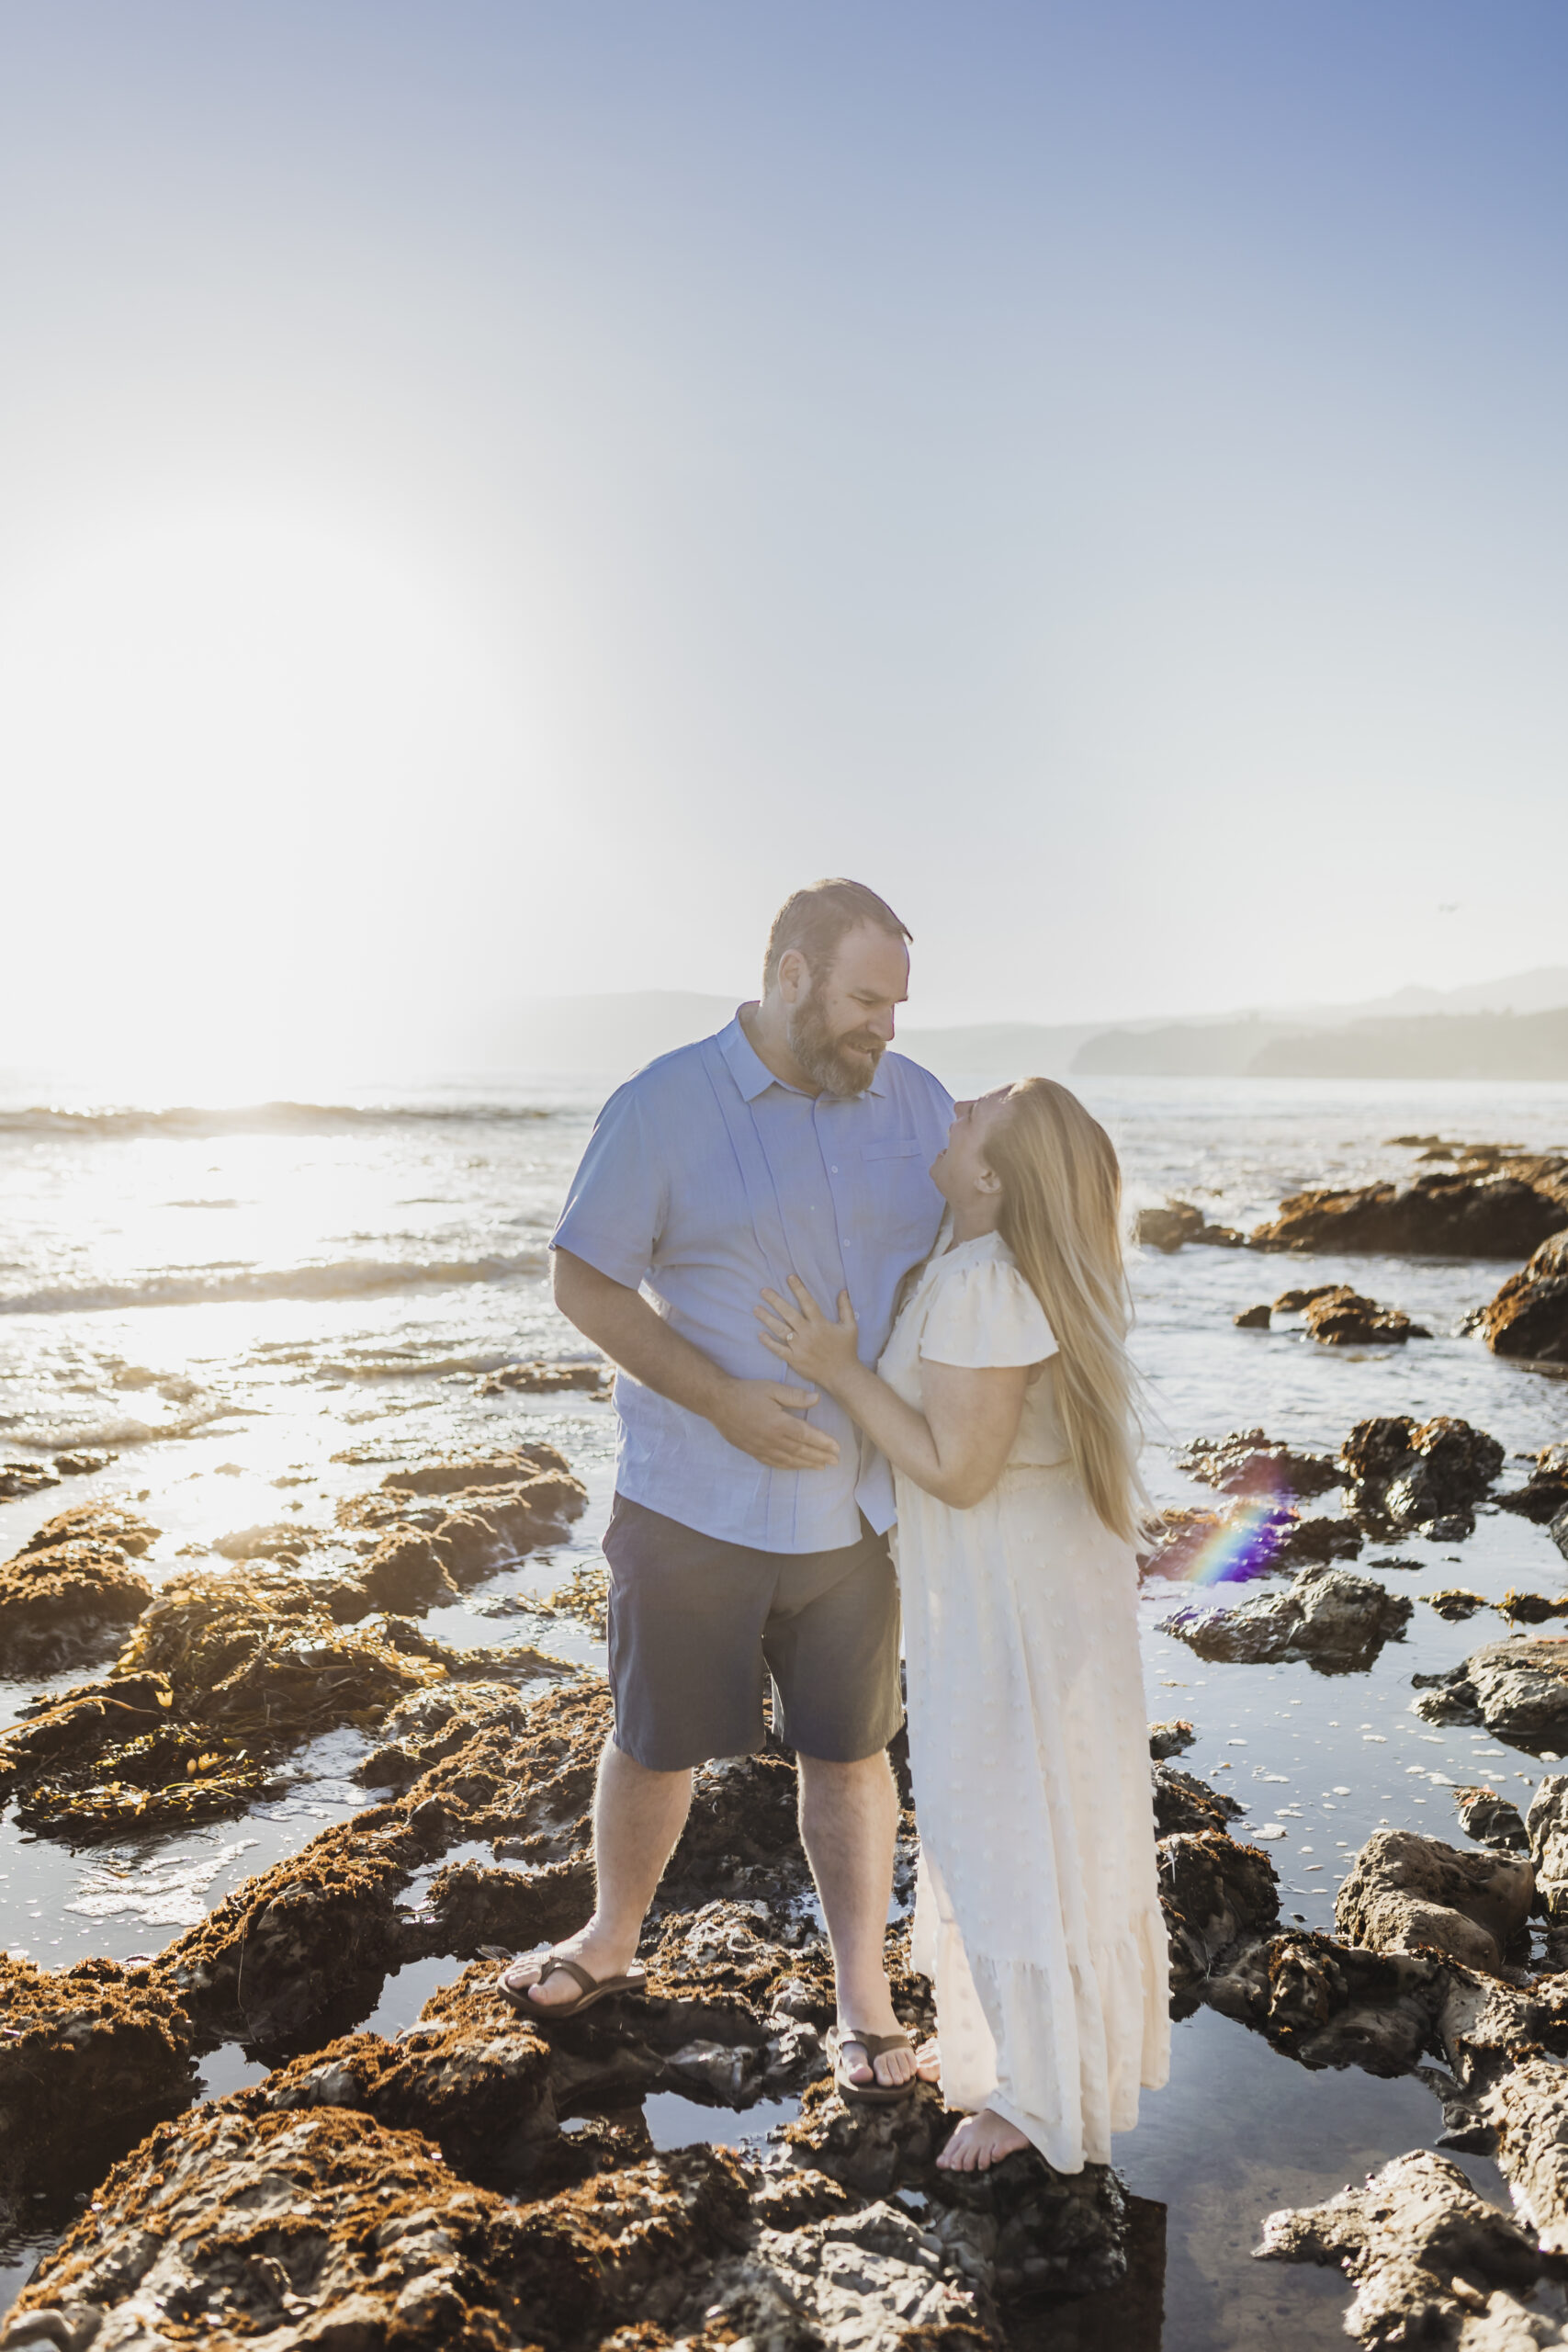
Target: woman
x=1004, y=1402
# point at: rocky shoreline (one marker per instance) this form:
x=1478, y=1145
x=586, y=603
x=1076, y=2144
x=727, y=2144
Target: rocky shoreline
x=476, y=2181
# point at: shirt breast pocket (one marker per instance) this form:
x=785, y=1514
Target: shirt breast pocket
x=873, y=1152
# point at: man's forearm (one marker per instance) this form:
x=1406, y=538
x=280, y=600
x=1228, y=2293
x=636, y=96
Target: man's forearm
x=633, y=1335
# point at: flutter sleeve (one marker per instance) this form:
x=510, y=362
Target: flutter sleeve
x=986, y=1315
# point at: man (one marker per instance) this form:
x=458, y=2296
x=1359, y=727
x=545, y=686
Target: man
x=749, y=1531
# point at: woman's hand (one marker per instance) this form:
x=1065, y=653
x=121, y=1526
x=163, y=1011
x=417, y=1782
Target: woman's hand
x=799, y=1334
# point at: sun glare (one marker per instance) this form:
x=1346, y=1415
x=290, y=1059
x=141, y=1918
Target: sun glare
x=223, y=732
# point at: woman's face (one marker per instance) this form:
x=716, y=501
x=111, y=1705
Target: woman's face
x=964, y=1168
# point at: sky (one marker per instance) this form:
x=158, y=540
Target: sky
x=493, y=495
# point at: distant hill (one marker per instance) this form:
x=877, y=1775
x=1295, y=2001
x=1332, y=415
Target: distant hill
x=1186, y=1049
x=1439, y=1045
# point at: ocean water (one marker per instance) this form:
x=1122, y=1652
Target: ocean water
x=259, y=1309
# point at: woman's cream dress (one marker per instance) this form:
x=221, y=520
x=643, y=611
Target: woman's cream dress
x=1036, y=1913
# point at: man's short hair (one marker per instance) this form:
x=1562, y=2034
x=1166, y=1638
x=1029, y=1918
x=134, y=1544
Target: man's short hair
x=815, y=920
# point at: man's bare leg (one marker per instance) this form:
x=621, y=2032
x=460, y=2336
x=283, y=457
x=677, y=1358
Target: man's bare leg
x=849, y=1820
x=638, y=1815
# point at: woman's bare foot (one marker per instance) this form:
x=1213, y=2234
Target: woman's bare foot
x=980, y=2142
x=927, y=2060
x=590, y=1948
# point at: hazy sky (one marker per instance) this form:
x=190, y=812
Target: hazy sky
x=492, y=495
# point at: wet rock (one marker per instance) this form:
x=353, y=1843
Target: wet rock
x=1443, y=1214
x=1531, y=1608
x=1493, y=1821
x=1546, y=1832
x=1454, y=1605
x=1334, y=1621
x=476, y=1514
x=1178, y=1222
x=538, y=1379
x=18, y=1479
x=585, y=1596
x=433, y=1722
x=1433, y=2262
x=470, y=1904
x=1171, y=1739
x=1517, y=1689
x=1427, y=1474
x=314, y=1934
x=1048, y=2232
x=406, y=1573
x=1253, y=1319
x=1409, y=1893
x=1329, y=2004
x=1529, y=1317
x=526, y=1779
x=1527, y=2109
x=1249, y=1461
x=1486, y=2024
x=1560, y=1531
x=1341, y=1317
x=1545, y=1492
x=70, y=1592
x=1254, y=1539
x=875, y=2279
x=1182, y=1802
x=82, y=2050
x=1212, y=1892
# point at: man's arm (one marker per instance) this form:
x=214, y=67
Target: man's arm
x=760, y=1417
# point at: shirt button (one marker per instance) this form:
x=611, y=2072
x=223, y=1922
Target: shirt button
x=832, y=1171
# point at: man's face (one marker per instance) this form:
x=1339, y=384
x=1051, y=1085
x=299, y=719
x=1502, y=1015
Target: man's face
x=840, y=1024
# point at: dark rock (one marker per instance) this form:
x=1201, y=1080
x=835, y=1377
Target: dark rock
x=1045, y=2233
x=1407, y=1475
x=471, y=1904
x=1212, y=1892
x=1517, y=1689
x=1545, y=1493
x=1531, y=1608
x=18, y=1479
x=1253, y=1319
x=1336, y=1621
x=1529, y=1317
x=1560, y=1531
x=1408, y=1893
x=1447, y=1213
x=1433, y=2262
x=1454, y=1603
x=1293, y=1302
x=1492, y=1820
x=1329, y=2004
x=1182, y=1802
x=1316, y=1540
x=1341, y=1317
x=1248, y=1462
x=536, y=1379
x=1171, y=1739
x=1179, y=1222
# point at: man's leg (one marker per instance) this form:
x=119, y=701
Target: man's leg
x=638, y=1815
x=849, y=1820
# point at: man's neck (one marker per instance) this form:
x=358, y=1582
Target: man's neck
x=766, y=1030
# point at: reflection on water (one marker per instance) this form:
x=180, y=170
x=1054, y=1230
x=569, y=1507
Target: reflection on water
x=265, y=1322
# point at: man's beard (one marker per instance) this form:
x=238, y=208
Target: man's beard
x=838, y=1065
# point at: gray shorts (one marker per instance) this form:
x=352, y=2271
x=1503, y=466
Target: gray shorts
x=696, y=1623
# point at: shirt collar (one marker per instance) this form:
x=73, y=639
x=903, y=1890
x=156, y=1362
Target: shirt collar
x=751, y=1073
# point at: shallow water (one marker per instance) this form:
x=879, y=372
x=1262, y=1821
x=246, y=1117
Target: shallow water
x=237, y=1302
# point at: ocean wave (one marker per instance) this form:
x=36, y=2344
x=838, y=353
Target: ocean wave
x=188, y=1123
x=350, y=1278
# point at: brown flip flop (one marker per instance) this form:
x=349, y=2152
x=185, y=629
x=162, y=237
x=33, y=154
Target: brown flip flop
x=872, y=2094
x=555, y=1963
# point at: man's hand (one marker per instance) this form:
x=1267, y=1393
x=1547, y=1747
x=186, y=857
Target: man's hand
x=758, y=1416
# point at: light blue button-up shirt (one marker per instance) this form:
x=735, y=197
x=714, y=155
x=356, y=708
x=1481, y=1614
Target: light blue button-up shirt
x=706, y=1179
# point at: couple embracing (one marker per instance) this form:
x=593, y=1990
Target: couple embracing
x=942, y=1291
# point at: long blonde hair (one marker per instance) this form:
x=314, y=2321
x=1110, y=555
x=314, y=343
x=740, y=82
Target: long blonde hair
x=1061, y=1218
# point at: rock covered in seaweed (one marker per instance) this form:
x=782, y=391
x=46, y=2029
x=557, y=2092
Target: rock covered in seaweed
x=1544, y=1492
x=1342, y=1317
x=1409, y=1893
x=1329, y=2004
x=69, y=1594
x=456, y=1521
x=1212, y=1891
x=1334, y=1620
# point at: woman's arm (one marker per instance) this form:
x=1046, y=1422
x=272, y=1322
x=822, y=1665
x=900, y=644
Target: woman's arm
x=956, y=1449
